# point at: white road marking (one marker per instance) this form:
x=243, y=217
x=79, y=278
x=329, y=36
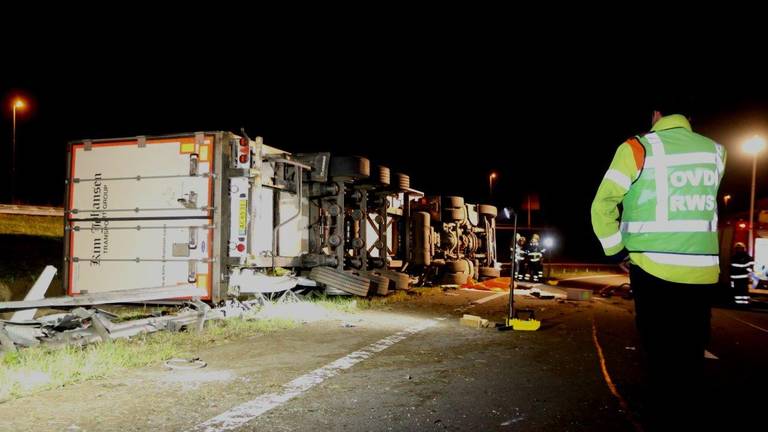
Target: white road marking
x=242, y=414
x=749, y=324
x=489, y=298
x=475, y=290
x=590, y=277
x=609, y=381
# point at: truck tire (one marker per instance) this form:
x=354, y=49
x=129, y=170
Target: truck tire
x=345, y=281
x=458, y=266
x=489, y=272
x=473, y=270
x=487, y=210
x=402, y=181
x=400, y=280
x=382, y=175
x=379, y=282
x=336, y=292
x=353, y=167
x=454, y=214
x=422, y=239
x=452, y=202
x=454, y=278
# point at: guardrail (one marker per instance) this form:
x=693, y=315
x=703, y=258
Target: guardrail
x=559, y=268
x=581, y=268
x=31, y=210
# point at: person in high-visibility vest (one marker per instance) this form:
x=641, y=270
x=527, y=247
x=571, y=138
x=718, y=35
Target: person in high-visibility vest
x=741, y=268
x=520, y=258
x=535, y=255
x=666, y=182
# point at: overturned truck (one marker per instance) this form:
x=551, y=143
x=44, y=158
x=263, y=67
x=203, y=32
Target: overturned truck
x=233, y=216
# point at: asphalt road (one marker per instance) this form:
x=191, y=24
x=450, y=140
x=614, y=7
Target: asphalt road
x=410, y=367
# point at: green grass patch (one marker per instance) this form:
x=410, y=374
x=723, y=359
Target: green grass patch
x=44, y=226
x=352, y=304
x=36, y=369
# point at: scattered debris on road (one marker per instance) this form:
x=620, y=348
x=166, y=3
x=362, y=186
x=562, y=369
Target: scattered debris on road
x=185, y=364
x=474, y=321
x=84, y=323
x=579, y=294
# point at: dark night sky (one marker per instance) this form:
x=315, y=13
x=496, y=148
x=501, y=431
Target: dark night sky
x=445, y=115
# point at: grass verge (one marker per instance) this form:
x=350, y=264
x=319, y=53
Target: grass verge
x=32, y=370
x=44, y=226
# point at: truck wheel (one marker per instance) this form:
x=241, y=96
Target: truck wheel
x=379, y=283
x=458, y=266
x=452, y=202
x=454, y=214
x=382, y=175
x=489, y=272
x=344, y=281
x=353, y=167
x=402, y=181
x=401, y=280
x=487, y=210
x=334, y=291
x=455, y=278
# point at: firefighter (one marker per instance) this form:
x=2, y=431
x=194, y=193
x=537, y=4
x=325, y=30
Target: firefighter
x=741, y=266
x=535, y=255
x=664, y=185
x=520, y=257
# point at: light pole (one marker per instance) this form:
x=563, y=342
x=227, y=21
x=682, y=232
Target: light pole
x=17, y=104
x=490, y=183
x=753, y=146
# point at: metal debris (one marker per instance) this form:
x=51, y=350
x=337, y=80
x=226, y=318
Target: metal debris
x=86, y=324
x=185, y=364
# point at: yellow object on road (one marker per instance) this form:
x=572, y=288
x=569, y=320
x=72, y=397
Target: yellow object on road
x=523, y=324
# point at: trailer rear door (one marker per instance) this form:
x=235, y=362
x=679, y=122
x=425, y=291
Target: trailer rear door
x=140, y=213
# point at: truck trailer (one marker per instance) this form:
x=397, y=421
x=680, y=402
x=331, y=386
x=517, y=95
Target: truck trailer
x=233, y=216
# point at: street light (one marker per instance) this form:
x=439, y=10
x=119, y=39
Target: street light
x=17, y=105
x=490, y=182
x=753, y=146
x=548, y=242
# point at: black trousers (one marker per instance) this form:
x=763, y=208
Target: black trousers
x=740, y=288
x=673, y=321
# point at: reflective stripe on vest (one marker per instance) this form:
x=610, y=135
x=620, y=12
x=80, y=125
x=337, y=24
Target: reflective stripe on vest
x=679, y=159
x=670, y=226
x=619, y=178
x=662, y=187
x=685, y=260
x=610, y=241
